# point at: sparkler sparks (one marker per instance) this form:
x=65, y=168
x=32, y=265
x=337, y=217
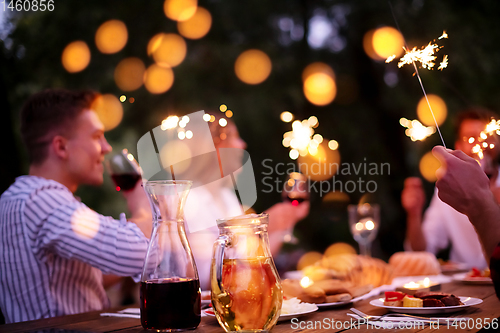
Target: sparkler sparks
x=492, y=128
x=415, y=130
x=425, y=56
x=302, y=140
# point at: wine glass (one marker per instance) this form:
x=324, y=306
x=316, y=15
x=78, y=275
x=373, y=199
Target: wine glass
x=294, y=191
x=124, y=170
x=364, y=220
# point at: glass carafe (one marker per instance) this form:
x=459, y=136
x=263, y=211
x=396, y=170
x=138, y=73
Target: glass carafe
x=246, y=288
x=170, y=288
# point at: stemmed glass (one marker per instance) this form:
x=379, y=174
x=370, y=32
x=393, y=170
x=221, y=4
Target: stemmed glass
x=124, y=170
x=364, y=221
x=294, y=191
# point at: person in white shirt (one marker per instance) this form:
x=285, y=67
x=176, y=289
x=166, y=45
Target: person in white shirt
x=441, y=225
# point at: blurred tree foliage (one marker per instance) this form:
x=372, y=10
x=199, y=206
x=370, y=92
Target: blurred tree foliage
x=364, y=117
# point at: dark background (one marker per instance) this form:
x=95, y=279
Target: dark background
x=363, y=118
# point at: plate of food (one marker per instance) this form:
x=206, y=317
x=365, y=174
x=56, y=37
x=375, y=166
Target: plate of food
x=291, y=308
x=424, y=302
x=475, y=276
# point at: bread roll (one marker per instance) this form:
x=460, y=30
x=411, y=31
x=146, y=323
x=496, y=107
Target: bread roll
x=338, y=298
x=414, y=263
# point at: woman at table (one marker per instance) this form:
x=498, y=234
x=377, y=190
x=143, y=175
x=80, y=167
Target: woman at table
x=464, y=186
x=205, y=204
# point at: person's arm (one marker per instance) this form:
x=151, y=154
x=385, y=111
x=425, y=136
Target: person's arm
x=140, y=210
x=464, y=186
x=413, y=199
x=282, y=217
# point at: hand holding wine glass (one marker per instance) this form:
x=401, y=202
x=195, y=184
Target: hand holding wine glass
x=295, y=191
x=364, y=220
x=124, y=170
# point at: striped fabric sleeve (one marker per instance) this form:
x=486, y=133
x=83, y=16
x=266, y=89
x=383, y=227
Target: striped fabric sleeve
x=72, y=230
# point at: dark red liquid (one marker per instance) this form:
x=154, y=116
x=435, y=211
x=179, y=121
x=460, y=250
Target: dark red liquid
x=125, y=181
x=170, y=304
x=295, y=201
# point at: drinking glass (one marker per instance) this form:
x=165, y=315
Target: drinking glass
x=364, y=220
x=294, y=191
x=124, y=170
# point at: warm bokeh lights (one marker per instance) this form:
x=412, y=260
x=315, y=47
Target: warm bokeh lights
x=428, y=166
x=320, y=89
x=253, y=66
x=180, y=10
x=339, y=248
x=438, y=107
x=158, y=79
x=109, y=109
x=322, y=165
x=168, y=50
x=308, y=259
x=75, y=56
x=317, y=67
x=129, y=74
x=381, y=43
x=286, y=116
x=197, y=26
x=111, y=36
x=415, y=130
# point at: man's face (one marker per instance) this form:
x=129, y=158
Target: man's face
x=86, y=149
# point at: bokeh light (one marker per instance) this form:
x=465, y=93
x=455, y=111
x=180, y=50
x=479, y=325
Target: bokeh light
x=129, y=74
x=321, y=166
x=320, y=89
x=253, y=66
x=75, y=56
x=223, y=108
x=438, y=107
x=180, y=10
x=111, y=36
x=229, y=113
x=109, y=109
x=158, y=79
x=168, y=50
x=317, y=67
x=197, y=26
x=428, y=166
x=176, y=153
x=383, y=42
x=286, y=116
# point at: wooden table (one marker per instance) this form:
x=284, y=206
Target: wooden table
x=93, y=322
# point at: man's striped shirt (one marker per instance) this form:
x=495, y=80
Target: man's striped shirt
x=53, y=250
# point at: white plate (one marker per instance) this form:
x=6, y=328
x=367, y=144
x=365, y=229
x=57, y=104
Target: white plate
x=210, y=313
x=472, y=280
x=468, y=301
x=337, y=304
x=205, y=294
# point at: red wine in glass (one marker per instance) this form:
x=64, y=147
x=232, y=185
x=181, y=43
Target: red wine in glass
x=294, y=200
x=170, y=304
x=125, y=181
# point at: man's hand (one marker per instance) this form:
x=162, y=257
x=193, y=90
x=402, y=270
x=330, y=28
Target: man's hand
x=138, y=204
x=284, y=215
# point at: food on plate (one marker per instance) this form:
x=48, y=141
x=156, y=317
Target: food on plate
x=478, y=273
x=294, y=305
x=421, y=299
x=357, y=269
x=412, y=302
x=414, y=263
x=325, y=291
x=394, y=298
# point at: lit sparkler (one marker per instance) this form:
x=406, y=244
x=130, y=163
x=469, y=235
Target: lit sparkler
x=301, y=139
x=415, y=130
x=492, y=128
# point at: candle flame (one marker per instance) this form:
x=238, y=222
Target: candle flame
x=411, y=285
x=427, y=282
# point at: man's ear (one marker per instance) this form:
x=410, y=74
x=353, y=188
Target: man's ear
x=59, y=146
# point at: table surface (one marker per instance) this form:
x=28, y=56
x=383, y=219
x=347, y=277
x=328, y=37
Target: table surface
x=93, y=322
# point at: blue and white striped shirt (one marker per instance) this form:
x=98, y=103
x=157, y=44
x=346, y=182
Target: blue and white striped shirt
x=53, y=249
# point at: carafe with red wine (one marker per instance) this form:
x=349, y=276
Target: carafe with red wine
x=124, y=170
x=170, y=289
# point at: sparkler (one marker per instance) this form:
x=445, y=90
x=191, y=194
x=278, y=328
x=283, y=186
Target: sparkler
x=301, y=139
x=492, y=128
x=415, y=130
